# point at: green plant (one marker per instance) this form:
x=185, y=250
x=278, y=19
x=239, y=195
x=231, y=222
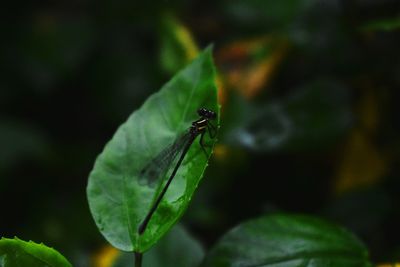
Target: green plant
x=119, y=202
x=16, y=252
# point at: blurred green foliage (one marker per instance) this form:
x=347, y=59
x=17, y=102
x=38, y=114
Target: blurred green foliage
x=390, y=24
x=71, y=72
x=308, y=119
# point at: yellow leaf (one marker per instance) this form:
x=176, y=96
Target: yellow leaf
x=177, y=45
x=248, y=65
x=105, y=257
x=184, y=36
x=361, y=164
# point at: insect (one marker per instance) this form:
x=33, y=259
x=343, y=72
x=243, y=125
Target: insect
x=161, y=163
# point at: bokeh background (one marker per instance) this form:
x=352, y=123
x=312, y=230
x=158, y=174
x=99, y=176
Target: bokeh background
x=310, y=111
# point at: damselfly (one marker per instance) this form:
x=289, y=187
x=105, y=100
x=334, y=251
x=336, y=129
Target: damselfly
x=162, y=162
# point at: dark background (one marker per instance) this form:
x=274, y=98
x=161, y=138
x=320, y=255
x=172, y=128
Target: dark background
x=310, y=115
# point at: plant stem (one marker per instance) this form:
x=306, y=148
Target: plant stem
x=138, y=259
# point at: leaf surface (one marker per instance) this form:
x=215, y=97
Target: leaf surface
x=17, y=253
x=118, y=199
x=287, y=241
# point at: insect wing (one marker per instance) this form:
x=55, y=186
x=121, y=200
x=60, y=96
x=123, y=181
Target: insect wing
x=159, y=165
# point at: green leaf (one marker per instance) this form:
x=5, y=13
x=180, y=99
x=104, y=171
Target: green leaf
x=19, y=253
x=168, y=252
x=178, y=47
x=312, y=117
x=288, y=241
x=118, y=200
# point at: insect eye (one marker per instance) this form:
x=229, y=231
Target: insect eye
x=202, y=112
x=206, y=113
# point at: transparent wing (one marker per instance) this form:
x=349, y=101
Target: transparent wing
x=157, y=168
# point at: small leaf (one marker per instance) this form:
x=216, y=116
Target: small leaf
x=178, y=47
x=361, y=164
x=288, y=241
x=248, y=65
x=19, y=253
x=168, y=252
x=118, y=200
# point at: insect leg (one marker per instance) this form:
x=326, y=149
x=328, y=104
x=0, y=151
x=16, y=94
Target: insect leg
x=202, y=143
x=212, y=131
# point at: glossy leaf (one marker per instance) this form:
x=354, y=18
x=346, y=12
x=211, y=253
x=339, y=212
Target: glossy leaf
x=168, y=252
x=19, y=253
x=118, y=200
x=288, y=241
